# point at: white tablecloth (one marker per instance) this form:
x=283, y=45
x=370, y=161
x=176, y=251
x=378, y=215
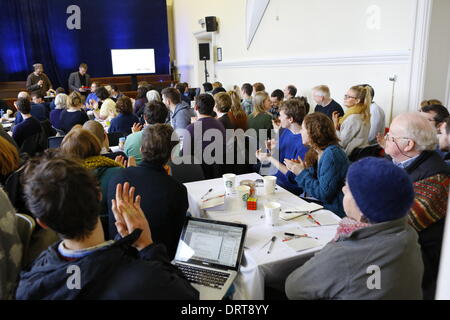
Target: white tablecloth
x=258, y=267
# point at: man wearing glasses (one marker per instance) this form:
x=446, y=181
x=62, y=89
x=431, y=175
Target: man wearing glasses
x=411, y=142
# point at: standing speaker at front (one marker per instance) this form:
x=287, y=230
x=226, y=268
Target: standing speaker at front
x=211, y=24
x=203, y=51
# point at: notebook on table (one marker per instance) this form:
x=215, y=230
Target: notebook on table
x=209, y=254
x=301, y=210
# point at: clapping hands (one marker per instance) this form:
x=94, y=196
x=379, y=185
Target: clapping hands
x=296, y=166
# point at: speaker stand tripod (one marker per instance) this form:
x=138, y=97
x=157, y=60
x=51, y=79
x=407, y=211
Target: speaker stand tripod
x=206, y=72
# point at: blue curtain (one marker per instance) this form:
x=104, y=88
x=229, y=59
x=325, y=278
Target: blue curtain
x=35, y=31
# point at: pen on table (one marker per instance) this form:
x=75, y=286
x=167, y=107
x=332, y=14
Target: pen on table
x=304, y=212
x=299, y=235
x=272, y=242
x=206, y=193
x=310, y=217
x=216, y=197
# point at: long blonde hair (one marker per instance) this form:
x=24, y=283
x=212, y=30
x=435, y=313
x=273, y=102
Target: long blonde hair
x=363, y=93
x=258, y=103
x=236, y=108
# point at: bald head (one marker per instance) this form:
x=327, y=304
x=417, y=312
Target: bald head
x=415, y=126
x=95, y=128
x=23, y=95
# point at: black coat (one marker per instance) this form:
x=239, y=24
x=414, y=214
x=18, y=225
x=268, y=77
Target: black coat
x=164, y=202
x=114, y=272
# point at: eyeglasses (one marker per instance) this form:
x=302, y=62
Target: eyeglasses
x=391, y=138
x=348, y=97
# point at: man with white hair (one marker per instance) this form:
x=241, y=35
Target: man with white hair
x=326, y=105
x=411, y=142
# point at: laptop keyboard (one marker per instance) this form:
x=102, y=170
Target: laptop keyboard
x=209, y=278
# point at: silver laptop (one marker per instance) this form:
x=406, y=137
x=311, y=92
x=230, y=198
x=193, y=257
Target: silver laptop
x=209, y=255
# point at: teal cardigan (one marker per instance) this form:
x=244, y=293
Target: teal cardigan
x=325, y=184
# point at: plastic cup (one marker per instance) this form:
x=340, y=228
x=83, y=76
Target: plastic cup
x=269, y=184
x=272, y=213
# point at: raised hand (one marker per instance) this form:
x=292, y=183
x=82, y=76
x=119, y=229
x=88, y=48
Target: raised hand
x=296, y=166
x=136, y=127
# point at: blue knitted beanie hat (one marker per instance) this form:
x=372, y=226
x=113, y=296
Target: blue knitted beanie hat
x=382, y=191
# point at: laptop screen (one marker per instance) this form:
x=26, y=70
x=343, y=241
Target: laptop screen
x=211, y=243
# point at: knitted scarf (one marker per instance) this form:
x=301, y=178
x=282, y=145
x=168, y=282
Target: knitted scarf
x=99, y=161
x=358, y=109
x=347, y=226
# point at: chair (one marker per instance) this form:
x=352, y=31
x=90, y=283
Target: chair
x=25, y=228
x=114, y=137
x=60, y=132
x=185, y=173
x=55, y=142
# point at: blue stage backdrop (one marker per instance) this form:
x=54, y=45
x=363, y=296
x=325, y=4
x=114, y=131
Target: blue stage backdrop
x=33, y=31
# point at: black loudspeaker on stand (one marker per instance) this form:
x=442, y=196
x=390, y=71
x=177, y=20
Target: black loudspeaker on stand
x=205, y=56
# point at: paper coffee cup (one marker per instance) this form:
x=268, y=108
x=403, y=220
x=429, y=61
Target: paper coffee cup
x=272, y=213
x=269, y=184
x=229, y=181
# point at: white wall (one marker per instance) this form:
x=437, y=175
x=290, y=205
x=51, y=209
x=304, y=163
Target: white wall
x=438, y=58
x=305, y=43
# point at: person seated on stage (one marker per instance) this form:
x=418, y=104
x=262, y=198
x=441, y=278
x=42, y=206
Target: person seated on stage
x=140, y=101
x=164, y=200
x=353, y=128
x=57, y=91
x=411, y=143
x=276, y=98
x=325, y=104
x=247, y=102
x=108, y=106
x=74, y=114
x=134, y=267
x=154, y=112
x=222, y=108
x=125, y=119
x=92, y=97
x=115, y=93
x=180, y=114
x=377, y=119
x=60, y=106
x=290, y=92
x=322, y=174
x=29, y=126
x=38, y=81
x=80, y=80
x=290, y=145
x=374, y=254
x=10, y=248
x=260, y=119
x=258, y=87
x=38, y=110
x=237, y=115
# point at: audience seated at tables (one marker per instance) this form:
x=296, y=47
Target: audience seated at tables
x=141, y=100
x=6, y=136
x=92, y=97
x=429, y=103
x=237, y=115
x=377, y=118
x=276, y=98
x=322, y=174
x=353, y=128
x=96, y=128
x=60, y=106
x=435, y=113
x=222, y=108
x=57, y=91
x=107, y=110
x=37, y=99
x=9, y=159
x=182, y=88
x=154, y=112
x=83, y=145
x=164, y=200
x=247, y=101
x=258, y=87
x=38, y=110
x=29, y=126
x=325, y=104
x=74, y=114
x=10, y=248
x=375, y=254
x=207, y=87
x=115, y=93
x=260, y=119
x=218, y=90
x=290, y=145
x=125, y=119
x=180, y=115
x=290, y=92
x=443, y=137
x=411, y=142
x=133, y=267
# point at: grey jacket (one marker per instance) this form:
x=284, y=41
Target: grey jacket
x=180, y=118
x=75, y=83
x=10, y=248
x=345, y=269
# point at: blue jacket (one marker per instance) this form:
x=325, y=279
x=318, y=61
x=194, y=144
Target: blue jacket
x=114, y=272
x=180, y=118
x=123, y=123
x=326, y=183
